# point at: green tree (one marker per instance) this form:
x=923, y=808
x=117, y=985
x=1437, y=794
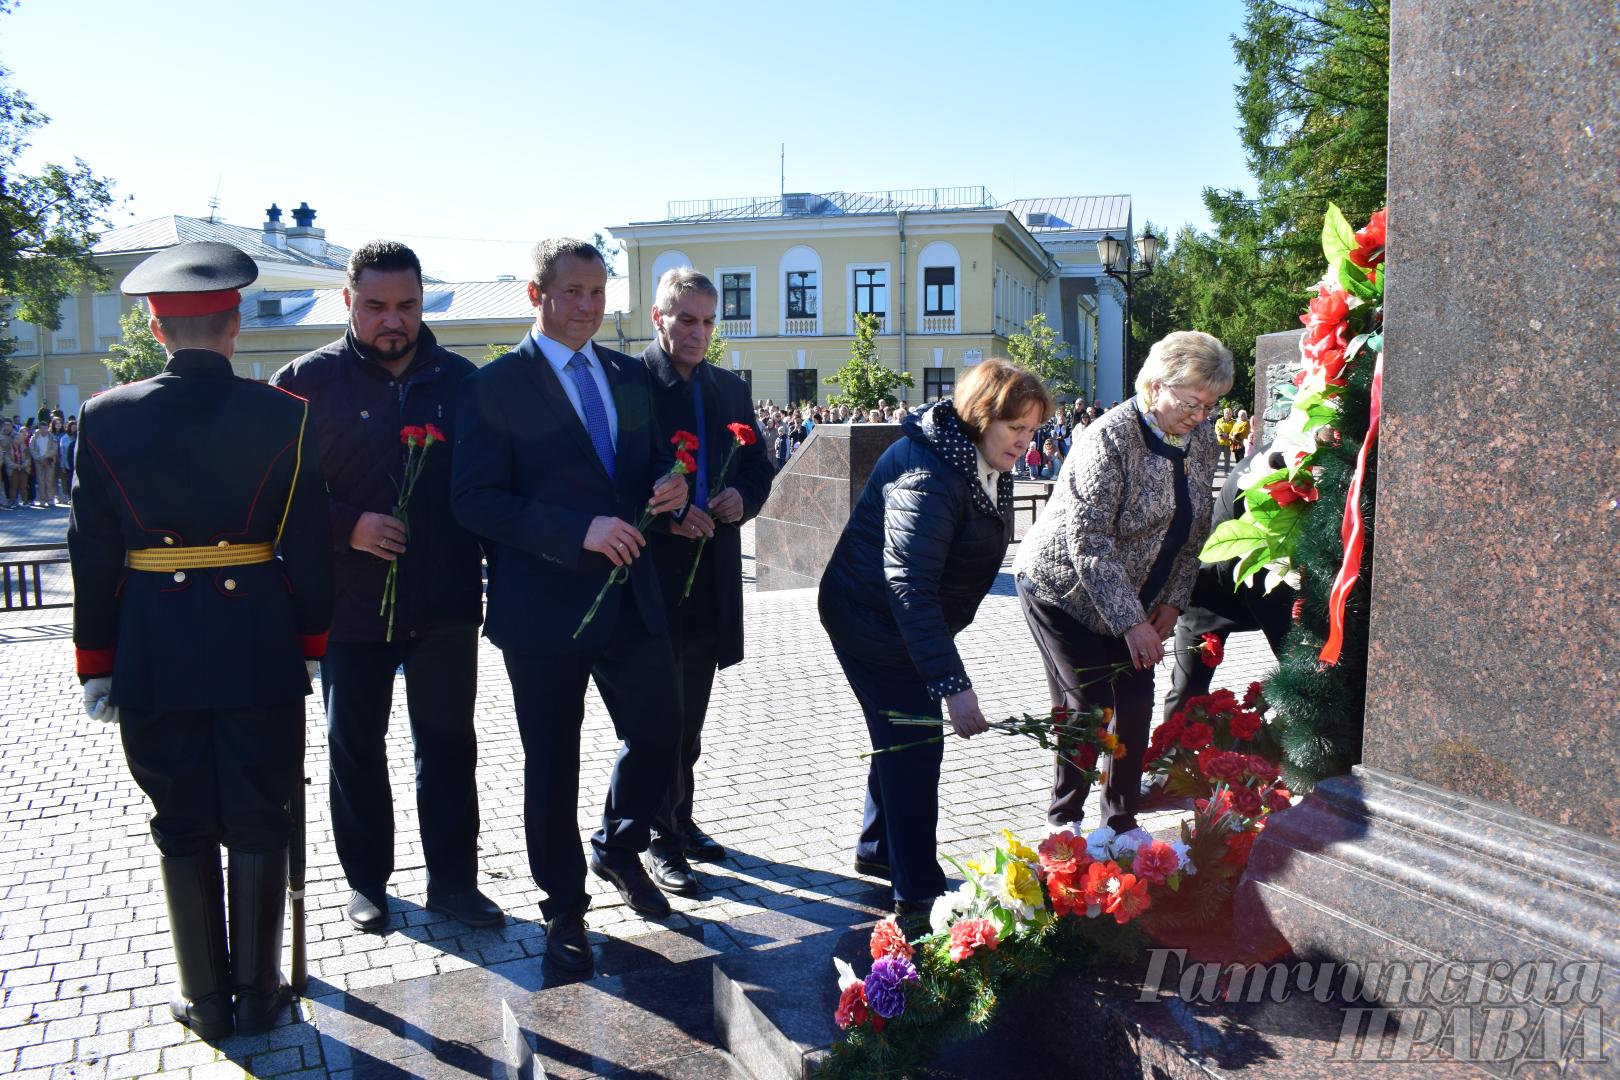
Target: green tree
x=600, y=243
x=494, y=351
x=1038, y=348
x=716, y=353
x=139, y=355
x=866, y=384
x=48, y=224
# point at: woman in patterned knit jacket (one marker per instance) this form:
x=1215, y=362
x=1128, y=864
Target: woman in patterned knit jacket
x=1105, y=571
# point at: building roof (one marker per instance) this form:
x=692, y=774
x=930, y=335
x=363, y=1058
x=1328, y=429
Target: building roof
x=450, y=301
x=175, y=229
x=1073, y=212
x=829, y=204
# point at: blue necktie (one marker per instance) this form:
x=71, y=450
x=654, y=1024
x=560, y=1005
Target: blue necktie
x=590, y=401
x=700, y=490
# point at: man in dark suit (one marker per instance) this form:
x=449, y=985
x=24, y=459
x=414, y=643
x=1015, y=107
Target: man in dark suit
x=557, y=451
x=706, y=626
x=202, y=591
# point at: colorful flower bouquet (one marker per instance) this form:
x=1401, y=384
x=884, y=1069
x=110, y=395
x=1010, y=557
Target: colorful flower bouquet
x=1217, y=739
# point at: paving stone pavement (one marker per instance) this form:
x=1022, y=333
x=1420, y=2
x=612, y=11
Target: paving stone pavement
x=85, y=964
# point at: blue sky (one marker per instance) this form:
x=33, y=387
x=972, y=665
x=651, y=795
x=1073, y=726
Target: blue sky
x=502, y=122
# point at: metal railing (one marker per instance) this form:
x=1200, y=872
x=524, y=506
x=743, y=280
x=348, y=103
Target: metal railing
x=22, y=577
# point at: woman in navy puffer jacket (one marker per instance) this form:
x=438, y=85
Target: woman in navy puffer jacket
x=920, y=551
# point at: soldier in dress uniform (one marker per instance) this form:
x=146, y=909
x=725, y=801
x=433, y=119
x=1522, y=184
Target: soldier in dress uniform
x=202, y=591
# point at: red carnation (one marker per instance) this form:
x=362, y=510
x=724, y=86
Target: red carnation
x=1154, y=862
x=1279, y=798
x=434, y=434
x=1251, y=696
x=412, y=435
x=743, y=433
x=685, y=462
x=1244, y=725
x=1262, y=768
x=971, y=935
x=852, y=1010
x=684, y=440
x=1246, y=801
x=1213, y=650
x=1197, y=736
x=889, y=940
x=1238, y=847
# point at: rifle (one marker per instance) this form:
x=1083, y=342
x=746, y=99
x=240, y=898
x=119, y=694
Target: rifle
x=295, y=881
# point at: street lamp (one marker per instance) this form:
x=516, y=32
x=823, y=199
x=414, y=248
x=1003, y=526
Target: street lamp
x=1116, y=258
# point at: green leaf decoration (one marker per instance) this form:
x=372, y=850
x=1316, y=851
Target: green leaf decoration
x=1355, y=346
x=1231, y=539
x=1252, y=564
x=1354, y=281
x=1338, y=238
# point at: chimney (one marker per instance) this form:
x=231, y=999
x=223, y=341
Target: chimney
x=275, y=233
x=304, y=236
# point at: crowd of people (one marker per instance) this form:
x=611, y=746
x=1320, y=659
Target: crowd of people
x=202, y=618
x=37, y=459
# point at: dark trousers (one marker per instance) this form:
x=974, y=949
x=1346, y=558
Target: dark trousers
x=217, y=777
x=635, y=673
x=441, y=684
x=692, y=635
x=901, y=818
x=1066, y=645
x=1216, y=608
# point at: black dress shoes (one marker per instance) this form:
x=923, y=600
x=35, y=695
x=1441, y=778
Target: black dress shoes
x=626, y=875
x=471, y=907
x=871, y=868
x=700, y=845
x=566, y=943
x=672, y=873
x=368, y=912
x=913, y=917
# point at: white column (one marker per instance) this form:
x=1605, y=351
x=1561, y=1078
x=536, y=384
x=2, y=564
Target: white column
x=1110, y=341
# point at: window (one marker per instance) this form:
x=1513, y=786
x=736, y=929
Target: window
x=938, y=383
x=802, y=386
x=737, y=296
x=939, y=290
x=801, y=294
x=872, y=292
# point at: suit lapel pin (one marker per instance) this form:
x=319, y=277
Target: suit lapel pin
x=365, y=414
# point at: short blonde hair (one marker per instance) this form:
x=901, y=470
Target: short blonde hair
x=677, y=283
x=997, y=389
x=1187, y=358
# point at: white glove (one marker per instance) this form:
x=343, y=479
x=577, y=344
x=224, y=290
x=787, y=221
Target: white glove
x=96, y=692
x=310, y=668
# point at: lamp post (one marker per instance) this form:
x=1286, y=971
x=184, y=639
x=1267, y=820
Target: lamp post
x=1117, y=258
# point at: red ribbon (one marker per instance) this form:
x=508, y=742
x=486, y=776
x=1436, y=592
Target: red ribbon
x=1352, y=531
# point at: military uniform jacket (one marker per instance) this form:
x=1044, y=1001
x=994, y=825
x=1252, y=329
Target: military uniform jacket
x=198, y=458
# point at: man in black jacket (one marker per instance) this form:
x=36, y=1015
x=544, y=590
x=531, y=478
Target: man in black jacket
x=556, y=454
x=385, y=374
x=706, y=623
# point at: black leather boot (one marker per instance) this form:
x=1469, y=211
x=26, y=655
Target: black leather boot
x=258, y=896
x=195, y=893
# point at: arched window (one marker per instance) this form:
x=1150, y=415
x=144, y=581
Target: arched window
x=800, y=275
x=939, y=278
x=666, y=261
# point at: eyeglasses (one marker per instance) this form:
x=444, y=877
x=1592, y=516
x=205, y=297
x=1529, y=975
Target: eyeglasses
x=1190, y=407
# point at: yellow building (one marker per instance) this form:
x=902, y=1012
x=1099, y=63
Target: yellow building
x=948, y=272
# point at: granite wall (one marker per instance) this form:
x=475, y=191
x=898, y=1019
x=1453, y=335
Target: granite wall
x=1274, y=355
x=1495, y=654
x=795, y=533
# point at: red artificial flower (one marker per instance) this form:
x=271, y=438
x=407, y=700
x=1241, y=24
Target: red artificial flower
x=1154, y=862
x=1244, y=725
x=684, y=440
x=433, y=435
x=1084, y=757
x=1279, y=798
x=1212, y=650
x=1222, y=801
x=684, y=462
x=1286, y=491
x=1238, y=847
x=1331, y=306
x=412, y=435
x=1251, y=696
x=852, y=1010
x=1129, y=901
x=971, y=935
x=889, y=940
x=1369, y=249
x=1197, y=736
x=1064, y=889
x=1218, y=765
x=1062, y=853
x=1099, y=882
x=1263, y=769
x=1246, y=800
x=743, y=433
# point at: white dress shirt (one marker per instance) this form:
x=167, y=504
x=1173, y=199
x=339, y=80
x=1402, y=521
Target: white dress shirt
x=558, y=355
x=988, y=477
